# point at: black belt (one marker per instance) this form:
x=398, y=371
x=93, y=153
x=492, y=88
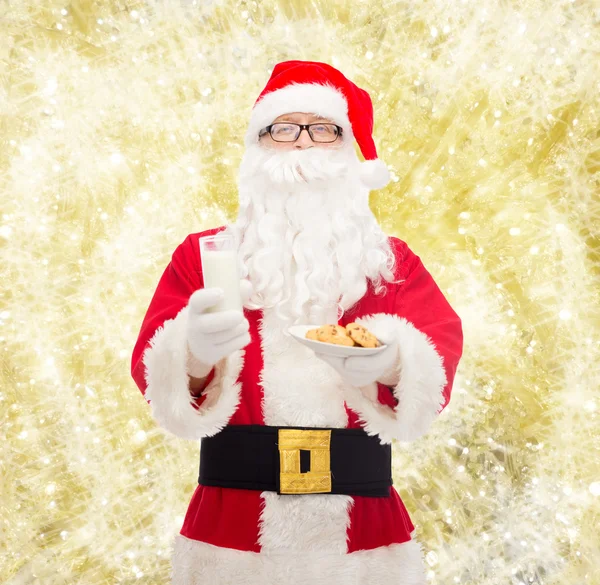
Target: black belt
x=296, y=460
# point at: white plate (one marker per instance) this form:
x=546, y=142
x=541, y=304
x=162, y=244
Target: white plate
x=299, y=333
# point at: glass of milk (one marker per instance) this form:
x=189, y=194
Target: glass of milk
x=218, y=255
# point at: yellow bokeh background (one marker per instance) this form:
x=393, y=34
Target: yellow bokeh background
x=121, y=132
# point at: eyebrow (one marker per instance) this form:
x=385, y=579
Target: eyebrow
x=292, y=118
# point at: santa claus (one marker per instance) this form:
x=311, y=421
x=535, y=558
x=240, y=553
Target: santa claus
x=273, y=414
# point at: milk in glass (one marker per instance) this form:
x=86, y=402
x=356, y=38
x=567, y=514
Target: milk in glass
x=220, y=269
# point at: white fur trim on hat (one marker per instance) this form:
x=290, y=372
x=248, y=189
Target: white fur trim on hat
x=314, y=98
x=374, y=174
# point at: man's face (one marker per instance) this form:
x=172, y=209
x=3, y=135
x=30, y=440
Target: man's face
x=304, y=140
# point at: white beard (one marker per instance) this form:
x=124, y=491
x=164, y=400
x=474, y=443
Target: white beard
x=307, y=239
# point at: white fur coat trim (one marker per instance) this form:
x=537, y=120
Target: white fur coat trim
x=315, y=98
x=199, y=563
x=300, y=390
x=168, y=384
x=419, y=391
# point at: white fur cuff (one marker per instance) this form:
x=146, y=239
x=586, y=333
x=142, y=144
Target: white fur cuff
x=422, y=379
x=173, y=407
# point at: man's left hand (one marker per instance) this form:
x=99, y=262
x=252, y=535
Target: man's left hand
x=364, y=370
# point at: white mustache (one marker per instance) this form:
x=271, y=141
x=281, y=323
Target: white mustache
x=305, y=166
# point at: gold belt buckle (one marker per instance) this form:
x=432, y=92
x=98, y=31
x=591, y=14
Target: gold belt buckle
x=318, y=479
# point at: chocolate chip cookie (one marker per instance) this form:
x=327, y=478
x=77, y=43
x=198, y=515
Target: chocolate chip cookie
x=361, y=336
x=331, y=334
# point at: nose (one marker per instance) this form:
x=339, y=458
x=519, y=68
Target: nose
x=304, y=140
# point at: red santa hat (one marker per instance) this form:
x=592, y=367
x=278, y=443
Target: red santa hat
x=319, y=88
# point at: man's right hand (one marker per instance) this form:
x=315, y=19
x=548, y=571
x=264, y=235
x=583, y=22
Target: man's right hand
x=213, y=336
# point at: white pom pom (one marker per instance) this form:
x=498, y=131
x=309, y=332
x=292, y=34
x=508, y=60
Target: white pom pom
x=374, y=174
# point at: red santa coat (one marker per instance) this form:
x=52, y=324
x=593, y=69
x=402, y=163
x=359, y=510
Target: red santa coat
x=249, y=537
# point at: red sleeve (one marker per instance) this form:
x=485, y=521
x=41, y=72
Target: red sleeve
x=180, y=279
x=420, y=301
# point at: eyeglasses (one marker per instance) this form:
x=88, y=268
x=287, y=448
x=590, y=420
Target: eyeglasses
x=289, y=132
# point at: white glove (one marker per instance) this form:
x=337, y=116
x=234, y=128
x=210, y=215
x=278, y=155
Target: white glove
x=363, y=370
x=213, y=336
